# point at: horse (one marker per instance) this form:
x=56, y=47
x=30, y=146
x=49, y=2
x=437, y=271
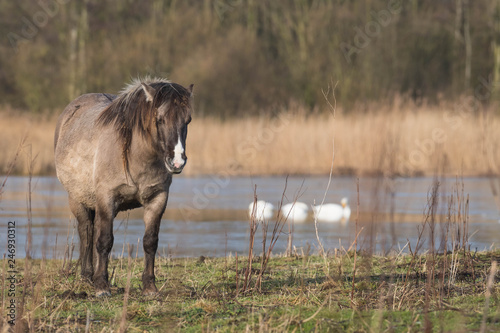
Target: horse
x=119, y=152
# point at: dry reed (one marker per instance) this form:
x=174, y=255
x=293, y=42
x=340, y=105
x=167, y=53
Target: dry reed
x=278, y=225
x=399, y=139
x=489, y=285
x=123, y=319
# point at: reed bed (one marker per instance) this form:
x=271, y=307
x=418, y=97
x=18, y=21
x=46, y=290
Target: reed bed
x=390, y=139
x=35, y=133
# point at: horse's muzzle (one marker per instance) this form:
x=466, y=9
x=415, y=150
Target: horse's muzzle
x=172, y=168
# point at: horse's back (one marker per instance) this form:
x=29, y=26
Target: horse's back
x=83, y=110
x=75, y=144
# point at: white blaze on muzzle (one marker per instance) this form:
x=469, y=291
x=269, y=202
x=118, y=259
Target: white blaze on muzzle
x=178, y=161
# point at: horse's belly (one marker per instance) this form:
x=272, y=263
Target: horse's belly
x=81, y=190
x=75, y=171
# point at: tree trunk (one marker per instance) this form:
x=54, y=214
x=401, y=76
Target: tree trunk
x=73, y=34
x=468, y=43
x=496, y=50
x=462, y=36
x=82, y=42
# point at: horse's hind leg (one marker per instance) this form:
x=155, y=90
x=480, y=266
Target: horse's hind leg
x=103, y=234
x=85, y=218
x=153, y=212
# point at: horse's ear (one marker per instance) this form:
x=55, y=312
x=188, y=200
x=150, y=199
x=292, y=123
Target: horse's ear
x=149, y=91
x=190, y=89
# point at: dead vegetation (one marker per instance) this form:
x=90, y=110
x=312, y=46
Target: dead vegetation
x=397, y=139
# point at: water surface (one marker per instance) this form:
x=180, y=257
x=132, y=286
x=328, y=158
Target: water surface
x=208, y=215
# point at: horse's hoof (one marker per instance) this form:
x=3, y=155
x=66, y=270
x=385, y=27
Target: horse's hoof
x=102, y=293
x=149, y=292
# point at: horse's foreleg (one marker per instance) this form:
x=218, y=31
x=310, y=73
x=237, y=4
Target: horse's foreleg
x=153, y=212
x=103, y=244
x=85, y=218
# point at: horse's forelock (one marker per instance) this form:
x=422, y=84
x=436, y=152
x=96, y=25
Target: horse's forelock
x=176, y=96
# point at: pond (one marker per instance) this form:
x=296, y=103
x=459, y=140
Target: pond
x=209, y=215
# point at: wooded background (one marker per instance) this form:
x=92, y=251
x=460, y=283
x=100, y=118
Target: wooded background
x=249, y=57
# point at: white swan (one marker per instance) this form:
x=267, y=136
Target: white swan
x=332, y=212
x=296, y=212
x=263, y=210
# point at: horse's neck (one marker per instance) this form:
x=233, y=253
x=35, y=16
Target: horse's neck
x=143, y=156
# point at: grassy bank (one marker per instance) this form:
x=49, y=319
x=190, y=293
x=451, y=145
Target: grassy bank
x=454, y=292
x=388, y=139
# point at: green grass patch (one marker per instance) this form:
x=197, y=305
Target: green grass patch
x=313, y=293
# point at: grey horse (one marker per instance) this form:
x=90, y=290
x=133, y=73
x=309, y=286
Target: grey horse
x=118, y=152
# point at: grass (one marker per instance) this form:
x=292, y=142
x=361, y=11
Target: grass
x=397, y=138
x=296, y=294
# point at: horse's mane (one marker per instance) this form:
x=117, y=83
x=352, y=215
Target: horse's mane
x=130, y=111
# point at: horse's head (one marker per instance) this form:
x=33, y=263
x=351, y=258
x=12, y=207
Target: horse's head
x=172, y=105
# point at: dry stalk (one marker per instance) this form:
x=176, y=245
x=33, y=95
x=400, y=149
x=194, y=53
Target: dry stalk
x=428, y=218
x=66, y=250
x=289, y=245
x=355, y=245
x=354, y=242
x=12, y=164
x=253, y=228
x=137, y=251
x=87, y=322
x=10, y=167
x=333, y=108
x=322, y=251
x=460, y=234
x=291, y=222
x=224, y=276
x=489, y=285
x=123, y=321
x=31, y=165
x=28, y=283
x=125, y=236
x=265, y=226
x=429, y=214
x=54, y=249
x=445, y=249
x=428, y=296
x=277, y=230
x=316, y=313
x=431, y=255
x=237, y=277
